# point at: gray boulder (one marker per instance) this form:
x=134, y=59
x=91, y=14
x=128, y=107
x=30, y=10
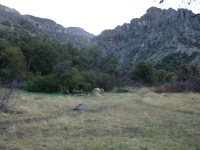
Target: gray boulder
x=98, y=91
x=82, y=108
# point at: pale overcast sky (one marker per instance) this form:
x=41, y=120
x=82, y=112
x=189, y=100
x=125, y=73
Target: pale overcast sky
x=92, y=15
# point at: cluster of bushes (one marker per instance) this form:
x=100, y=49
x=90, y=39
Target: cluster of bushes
x=173, y=61
x=47, y=83
x=188, y=80
x=145, y=72
x=6, y=23
x=191, y=85
x=69, y=81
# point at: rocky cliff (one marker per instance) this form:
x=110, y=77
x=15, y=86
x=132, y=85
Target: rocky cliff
x=159, y=35
x=154, y=36
x=79, y=37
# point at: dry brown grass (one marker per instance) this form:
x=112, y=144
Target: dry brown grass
x=139, y=120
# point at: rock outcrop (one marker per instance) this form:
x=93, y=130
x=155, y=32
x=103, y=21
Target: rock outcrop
x=155, y=35
x=82, y=108
x=97, y=91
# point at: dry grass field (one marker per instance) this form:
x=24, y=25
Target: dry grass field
x=140, y=120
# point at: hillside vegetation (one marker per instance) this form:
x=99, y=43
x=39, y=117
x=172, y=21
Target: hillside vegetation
x=153, y=49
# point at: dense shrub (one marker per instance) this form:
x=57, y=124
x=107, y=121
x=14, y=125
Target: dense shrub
x=3, y=33
x=188, y=70
x=191, y=85
x=86, y=86
x=172, y=62
x=144, y=72
x=101, y=80
x=163, y=76
x=6, y=23
x=72, y=80
x=105, y=81
x=90, y=77
x=12, y=64
x=47, y=84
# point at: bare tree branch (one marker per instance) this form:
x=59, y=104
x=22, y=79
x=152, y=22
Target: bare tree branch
x=7, y=96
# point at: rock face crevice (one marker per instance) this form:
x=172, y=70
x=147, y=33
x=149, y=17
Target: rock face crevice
x=79, y=37
x=155, y=35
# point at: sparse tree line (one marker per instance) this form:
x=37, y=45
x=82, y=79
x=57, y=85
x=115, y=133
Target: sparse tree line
x=186, y=79
x=41, y=64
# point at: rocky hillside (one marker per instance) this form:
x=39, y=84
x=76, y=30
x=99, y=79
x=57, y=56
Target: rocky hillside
x=81, y=32
x=166, y=37
x=79, y=37
x=159, y=35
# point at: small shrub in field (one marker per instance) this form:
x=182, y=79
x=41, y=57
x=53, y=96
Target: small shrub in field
x=47, y=84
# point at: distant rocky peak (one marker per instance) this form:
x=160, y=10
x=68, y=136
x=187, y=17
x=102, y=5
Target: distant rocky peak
x=81, y=32
x=185, y=14
x=41, y=20
x=154, y=36
x=154, y=11
x=9, y=10
x=43, y=26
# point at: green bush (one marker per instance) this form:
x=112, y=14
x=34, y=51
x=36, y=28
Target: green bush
x=47, y=84
x=86, y=87
x=3, y=33
x=163, y=75
x=90, y=77
x=72, y=80
x=144, y=72
x=172, y=62
x=6, y=23
x=105, y=81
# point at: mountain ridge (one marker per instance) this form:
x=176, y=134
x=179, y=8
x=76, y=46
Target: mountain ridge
x=158, y=35
x=153, y=36
x=47, y=27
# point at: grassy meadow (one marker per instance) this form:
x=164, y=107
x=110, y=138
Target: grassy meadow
x=140, y=120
